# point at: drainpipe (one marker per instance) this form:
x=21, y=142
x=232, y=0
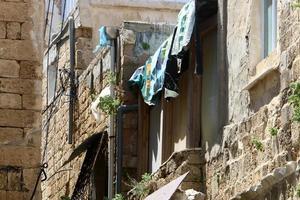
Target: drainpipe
x=119, y=157
x=111, y=129
x=72, y=80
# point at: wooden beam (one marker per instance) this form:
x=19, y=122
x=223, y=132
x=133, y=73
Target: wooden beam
x=143, y=137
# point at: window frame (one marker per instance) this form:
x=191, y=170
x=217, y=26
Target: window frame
x=266, y=33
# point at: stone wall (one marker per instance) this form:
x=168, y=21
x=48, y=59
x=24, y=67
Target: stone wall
x=21, y=23
x=92, y=78
x=62, y=178
x=258, y=101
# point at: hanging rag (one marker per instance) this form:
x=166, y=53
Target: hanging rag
x=163, y=69
x=103, y=39
x=185, y=27
x=150, y=77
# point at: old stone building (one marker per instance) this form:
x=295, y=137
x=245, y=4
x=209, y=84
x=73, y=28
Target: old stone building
x=21, y=44
x=203, y=95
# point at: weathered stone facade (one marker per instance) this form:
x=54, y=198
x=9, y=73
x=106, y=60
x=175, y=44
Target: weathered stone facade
x=248, y=162
x=258, y=93
x=21, y=44
x=91, y=80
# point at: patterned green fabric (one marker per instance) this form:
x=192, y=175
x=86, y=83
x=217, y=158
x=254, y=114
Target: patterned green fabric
x=185, y=26
x=150, y=77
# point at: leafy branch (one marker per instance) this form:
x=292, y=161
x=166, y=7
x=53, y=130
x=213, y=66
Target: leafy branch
x=294, y=100
x=108, y=104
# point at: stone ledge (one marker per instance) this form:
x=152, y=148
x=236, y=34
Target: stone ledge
x=264, y=68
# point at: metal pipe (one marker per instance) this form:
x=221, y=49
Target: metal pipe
x=111, y=132
x=72, y=79
x=119, y=157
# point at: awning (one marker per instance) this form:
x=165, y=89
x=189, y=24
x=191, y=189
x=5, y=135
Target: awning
x=161, y=71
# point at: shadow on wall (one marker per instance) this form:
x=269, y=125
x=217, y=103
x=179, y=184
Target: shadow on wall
x=264, y=91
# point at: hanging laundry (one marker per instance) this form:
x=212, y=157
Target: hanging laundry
x=150, y=77
x=103, y=39
x=185, y=27
x=163, y=69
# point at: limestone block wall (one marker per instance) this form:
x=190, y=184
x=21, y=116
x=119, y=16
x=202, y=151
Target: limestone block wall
x=258, y=101
x=21, y=25
x=62, y=178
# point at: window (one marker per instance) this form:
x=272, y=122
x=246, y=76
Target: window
x=51, y=75
x=269, y=28
x=67, y=6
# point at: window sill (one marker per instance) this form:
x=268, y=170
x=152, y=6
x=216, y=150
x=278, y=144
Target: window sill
x=264, y=68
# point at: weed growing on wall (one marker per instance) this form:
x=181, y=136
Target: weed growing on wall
x=298, y=191
x=112, y=78
x=258, y=144
x=140, y=189
x=109, y=105
x=296, y=4
x=294, y=100
x=273, y=131
x=145, y=46
x=118, y=197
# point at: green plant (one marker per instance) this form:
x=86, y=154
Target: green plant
x=273, y=131
x=294, y=100
x=145, y=46
x=118, y=197
x=65, y=198
x=108, y=104
x=298, y=190
x=140, y=189
x=258, y=144
x=112, y=78
x=93, y=94
x=296, y=4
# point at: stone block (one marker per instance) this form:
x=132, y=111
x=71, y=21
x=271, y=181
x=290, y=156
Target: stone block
x=10, y=135
x=32, y=102
x=29, y=178
x=13, y=30
x=14, y=178
x=20, y=86
x=9, y=68
x=30, y=70
x=10, y=101
x=3, y=179
x=26, y=29
x=13, y=11
x=19, y=118
x=14, y=195
x=17, y=49
x=19, y=156
x=2, y=30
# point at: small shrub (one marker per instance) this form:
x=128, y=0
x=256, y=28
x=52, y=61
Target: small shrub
x=273, y=131
x=296, y=4
x=145, y=46
x=109, y=105
x=294, y=100
x=112, y=78
x=140, y=189
x=258, y=144
x=119, y=197
x=298, y=191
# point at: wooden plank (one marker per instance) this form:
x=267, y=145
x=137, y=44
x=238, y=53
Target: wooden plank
x=168, y=143
x=143, y=137
x=194, y=103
